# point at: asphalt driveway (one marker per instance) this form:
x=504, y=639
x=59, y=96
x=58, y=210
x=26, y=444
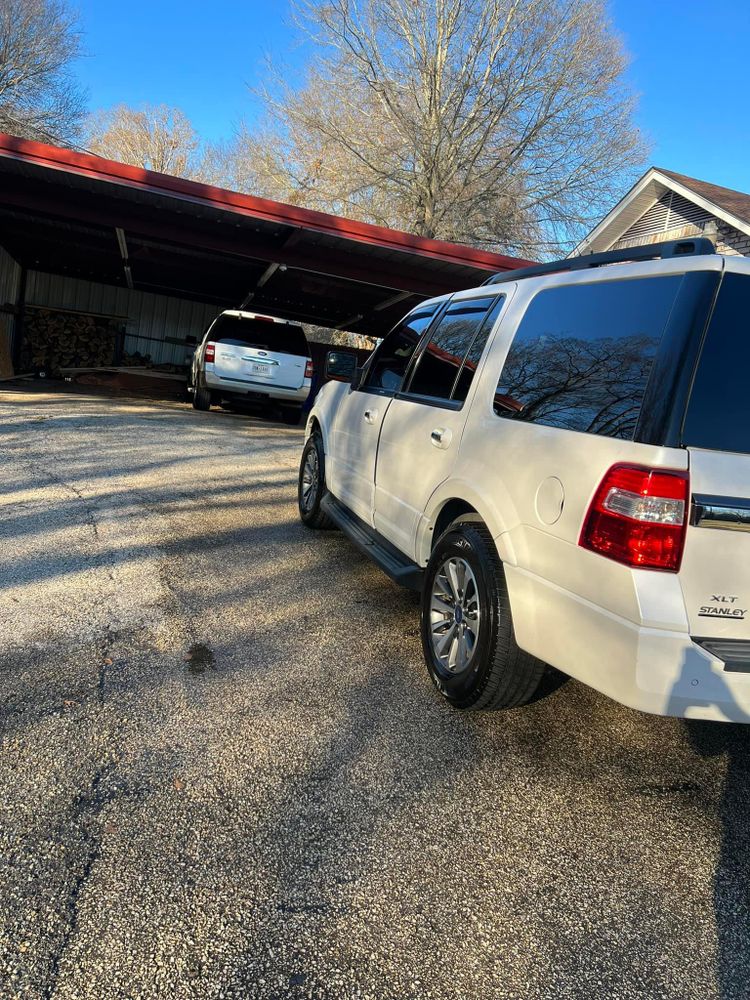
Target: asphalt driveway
x=224, y=773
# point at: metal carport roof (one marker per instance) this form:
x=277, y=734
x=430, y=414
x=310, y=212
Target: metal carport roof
x=76, y=214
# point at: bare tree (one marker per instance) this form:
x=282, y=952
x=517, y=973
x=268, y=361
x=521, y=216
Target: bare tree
x=155, y=137
x=39, y=98
x=340, y=338
x=501, y=123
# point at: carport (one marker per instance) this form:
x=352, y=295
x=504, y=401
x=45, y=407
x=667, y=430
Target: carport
x=158, y=256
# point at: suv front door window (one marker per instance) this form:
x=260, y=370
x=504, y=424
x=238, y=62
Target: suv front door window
x=386, y=370
x=354, y=436
x=423, y=426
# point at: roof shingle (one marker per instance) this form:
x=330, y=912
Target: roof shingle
x=735, y=202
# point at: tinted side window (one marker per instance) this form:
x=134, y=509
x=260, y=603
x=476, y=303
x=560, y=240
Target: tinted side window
x=582, y=355
x=718, y=414
x=442, y=358
x=390, y=361
x=471, y=361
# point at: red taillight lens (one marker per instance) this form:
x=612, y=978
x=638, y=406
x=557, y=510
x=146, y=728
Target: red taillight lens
x=309, y=369
x=639, y=517
x=210, y=352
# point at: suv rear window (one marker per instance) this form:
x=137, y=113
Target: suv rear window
x=718, y=413
x=582, y=355
x=284, y=338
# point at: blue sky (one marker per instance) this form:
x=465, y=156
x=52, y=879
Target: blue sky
x=687, y=65
x=200, y=56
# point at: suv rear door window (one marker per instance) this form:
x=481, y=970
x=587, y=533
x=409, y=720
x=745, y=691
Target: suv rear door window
x=284, y=338
x=474, y=354
x=442, y=359
x=388, y=365
x=582, y=355
x=718, y=414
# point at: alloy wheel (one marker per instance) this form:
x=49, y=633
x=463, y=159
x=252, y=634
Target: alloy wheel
x=454, y=614
x=310, y=478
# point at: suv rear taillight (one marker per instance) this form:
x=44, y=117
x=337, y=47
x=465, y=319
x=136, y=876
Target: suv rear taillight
x=210, y=352
x=639, y=517
x=309, y=369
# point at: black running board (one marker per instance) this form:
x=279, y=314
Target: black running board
x=400, y=569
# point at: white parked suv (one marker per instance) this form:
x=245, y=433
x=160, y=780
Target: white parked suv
x=254, y=358
x=560, y=462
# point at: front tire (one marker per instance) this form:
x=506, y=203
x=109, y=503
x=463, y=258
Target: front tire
x=311, y=487
x=467, y=629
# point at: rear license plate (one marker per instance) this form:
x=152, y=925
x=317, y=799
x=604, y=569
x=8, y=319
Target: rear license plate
x=261, y=369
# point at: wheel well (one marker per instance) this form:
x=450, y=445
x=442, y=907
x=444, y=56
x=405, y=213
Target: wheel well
x=451, y=510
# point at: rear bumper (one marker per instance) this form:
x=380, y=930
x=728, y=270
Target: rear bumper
x=653, y=670
x=261, y=390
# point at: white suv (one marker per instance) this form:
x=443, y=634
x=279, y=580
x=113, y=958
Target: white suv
x=254, y=358
x=560, y=462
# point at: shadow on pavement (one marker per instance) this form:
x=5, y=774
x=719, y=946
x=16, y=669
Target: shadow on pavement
x=732, y=878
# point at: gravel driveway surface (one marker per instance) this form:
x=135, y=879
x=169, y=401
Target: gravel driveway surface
x=288, y=810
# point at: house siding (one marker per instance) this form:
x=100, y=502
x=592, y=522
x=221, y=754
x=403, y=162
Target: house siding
x=673, y=217
x=731, y=241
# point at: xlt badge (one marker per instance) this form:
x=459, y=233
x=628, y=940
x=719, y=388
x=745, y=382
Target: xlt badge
x=722, y=606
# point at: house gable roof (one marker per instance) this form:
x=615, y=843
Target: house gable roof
x=734, y=202
x=732, y=207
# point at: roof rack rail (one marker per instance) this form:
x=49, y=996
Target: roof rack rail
x=697, y=247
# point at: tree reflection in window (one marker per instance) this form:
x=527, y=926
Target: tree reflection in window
x=390, y=360
x=441, y=360
x=582, y=356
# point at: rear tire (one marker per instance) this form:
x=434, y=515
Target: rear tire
x=312, y=483
x=201, y=398
x=467, y=628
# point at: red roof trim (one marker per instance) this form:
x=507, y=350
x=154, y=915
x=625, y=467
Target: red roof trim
x=96, y=167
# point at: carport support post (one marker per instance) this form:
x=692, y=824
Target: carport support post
x=18, y=321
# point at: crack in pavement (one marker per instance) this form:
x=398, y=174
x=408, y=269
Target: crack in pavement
x=85, y=811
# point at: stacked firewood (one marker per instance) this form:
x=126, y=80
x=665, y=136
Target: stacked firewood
x=54, y=339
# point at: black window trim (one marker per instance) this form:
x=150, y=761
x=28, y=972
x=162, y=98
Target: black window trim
x=687, y=399
x=663, y=413
x=438, y=401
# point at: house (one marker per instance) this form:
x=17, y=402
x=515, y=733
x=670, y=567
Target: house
x=664, y=205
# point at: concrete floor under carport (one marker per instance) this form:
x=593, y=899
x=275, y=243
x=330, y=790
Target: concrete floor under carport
x=157, y=257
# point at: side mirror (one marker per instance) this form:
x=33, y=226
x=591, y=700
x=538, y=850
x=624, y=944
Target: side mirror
x=340, y=366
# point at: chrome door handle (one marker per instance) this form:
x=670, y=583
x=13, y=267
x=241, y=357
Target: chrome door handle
x=441, y=437
x=370, y=416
